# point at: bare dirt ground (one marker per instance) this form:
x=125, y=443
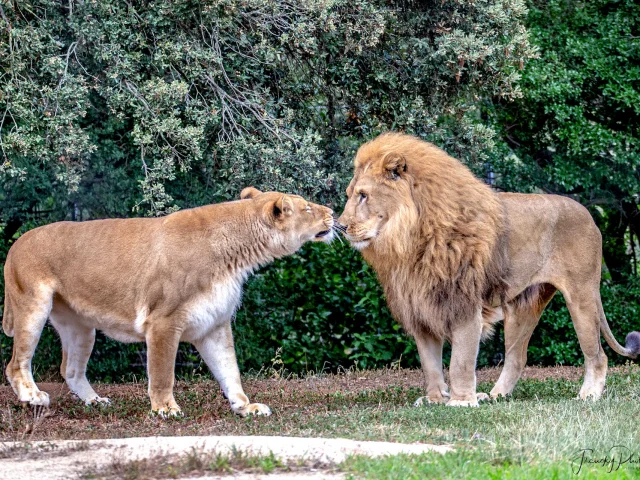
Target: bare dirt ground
x=207, y=411
x=125, y=440
x=70, y=458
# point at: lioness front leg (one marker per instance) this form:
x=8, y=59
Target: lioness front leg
x=162, y=348
x=430, y=351
x=219, y=354
x=465, y=342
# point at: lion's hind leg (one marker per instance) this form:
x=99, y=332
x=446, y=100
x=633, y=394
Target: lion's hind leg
x=520, y=320
x=30, y=309
x=77, y=343
x=585, y=306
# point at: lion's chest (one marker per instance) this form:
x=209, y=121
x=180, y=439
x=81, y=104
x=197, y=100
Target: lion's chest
x=213, y=308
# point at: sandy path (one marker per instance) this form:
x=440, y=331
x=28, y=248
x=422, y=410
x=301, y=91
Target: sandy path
x=68, y=458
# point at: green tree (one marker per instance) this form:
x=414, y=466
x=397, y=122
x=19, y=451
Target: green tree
x=576, y=130
x=119, y=108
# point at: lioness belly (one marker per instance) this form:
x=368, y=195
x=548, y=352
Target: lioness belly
x=207, y=311
x=203, y=312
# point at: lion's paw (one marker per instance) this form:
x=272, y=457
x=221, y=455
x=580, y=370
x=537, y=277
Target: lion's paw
x=590, y=392
x=431, y=400
x=482, y=397
x=463, y=403
x=254, y=409
x=496, y=394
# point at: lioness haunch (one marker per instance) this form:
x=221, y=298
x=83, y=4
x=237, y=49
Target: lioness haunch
x=154, y=280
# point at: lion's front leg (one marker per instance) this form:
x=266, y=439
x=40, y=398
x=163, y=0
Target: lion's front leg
x=219, y=354
x=430, y=350
x=465, y=342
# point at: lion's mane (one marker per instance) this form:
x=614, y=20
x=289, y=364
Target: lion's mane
x=443, y=254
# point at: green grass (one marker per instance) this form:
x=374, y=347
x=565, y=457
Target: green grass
x=542, y=432
x=539, y=432
x=476, y=465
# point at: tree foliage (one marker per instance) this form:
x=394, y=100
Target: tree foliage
x=193, y=100
x=576, y=128
x=113, y=109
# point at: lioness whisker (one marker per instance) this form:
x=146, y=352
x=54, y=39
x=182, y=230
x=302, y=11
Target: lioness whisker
x=338, y=236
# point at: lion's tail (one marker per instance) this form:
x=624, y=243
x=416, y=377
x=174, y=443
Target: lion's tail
x=7, y=318
x=632, y=342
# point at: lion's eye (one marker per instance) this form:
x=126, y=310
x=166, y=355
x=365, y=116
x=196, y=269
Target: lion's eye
x=308, y=209
x=363, y=197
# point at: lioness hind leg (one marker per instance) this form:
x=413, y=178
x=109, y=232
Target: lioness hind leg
x=584, y=307
x=519, y=323
x=77, y=344
x=218, y=352
x=30, y=312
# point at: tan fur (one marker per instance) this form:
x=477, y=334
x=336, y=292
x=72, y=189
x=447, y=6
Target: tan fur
x=452, y=255
x=157, y=280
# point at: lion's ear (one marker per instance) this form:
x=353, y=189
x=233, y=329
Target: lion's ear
x=249, y=193
x=395, y=165
x=283, y=206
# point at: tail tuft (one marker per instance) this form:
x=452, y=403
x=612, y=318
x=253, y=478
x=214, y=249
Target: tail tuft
x=632, y=343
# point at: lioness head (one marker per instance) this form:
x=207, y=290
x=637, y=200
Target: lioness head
x=297, y=220
x=380, y=200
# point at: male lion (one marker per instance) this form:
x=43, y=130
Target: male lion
x=454, y=257
x=157, y=280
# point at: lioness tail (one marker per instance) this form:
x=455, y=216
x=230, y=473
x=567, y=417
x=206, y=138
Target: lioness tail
x=7, y=319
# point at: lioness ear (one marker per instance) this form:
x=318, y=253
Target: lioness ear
x=394, y=164
x=249, y=193
x=282, y=206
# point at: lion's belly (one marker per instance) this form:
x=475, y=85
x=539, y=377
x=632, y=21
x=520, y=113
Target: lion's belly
x=213, y=309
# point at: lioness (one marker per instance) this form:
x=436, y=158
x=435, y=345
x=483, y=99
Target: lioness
x=154, y=280
x=454, y=257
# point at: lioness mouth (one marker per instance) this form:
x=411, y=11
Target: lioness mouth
x=323, y=233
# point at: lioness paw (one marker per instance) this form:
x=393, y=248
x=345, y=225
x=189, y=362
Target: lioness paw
x=37, y=398
x=102, y=401
x=255, y=409
x=167, y=412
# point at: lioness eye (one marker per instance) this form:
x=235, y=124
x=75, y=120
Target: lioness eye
x=363, y=197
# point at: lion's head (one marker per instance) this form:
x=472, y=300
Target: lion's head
x=297, y=220
x=428, y=227
x=380, y=196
